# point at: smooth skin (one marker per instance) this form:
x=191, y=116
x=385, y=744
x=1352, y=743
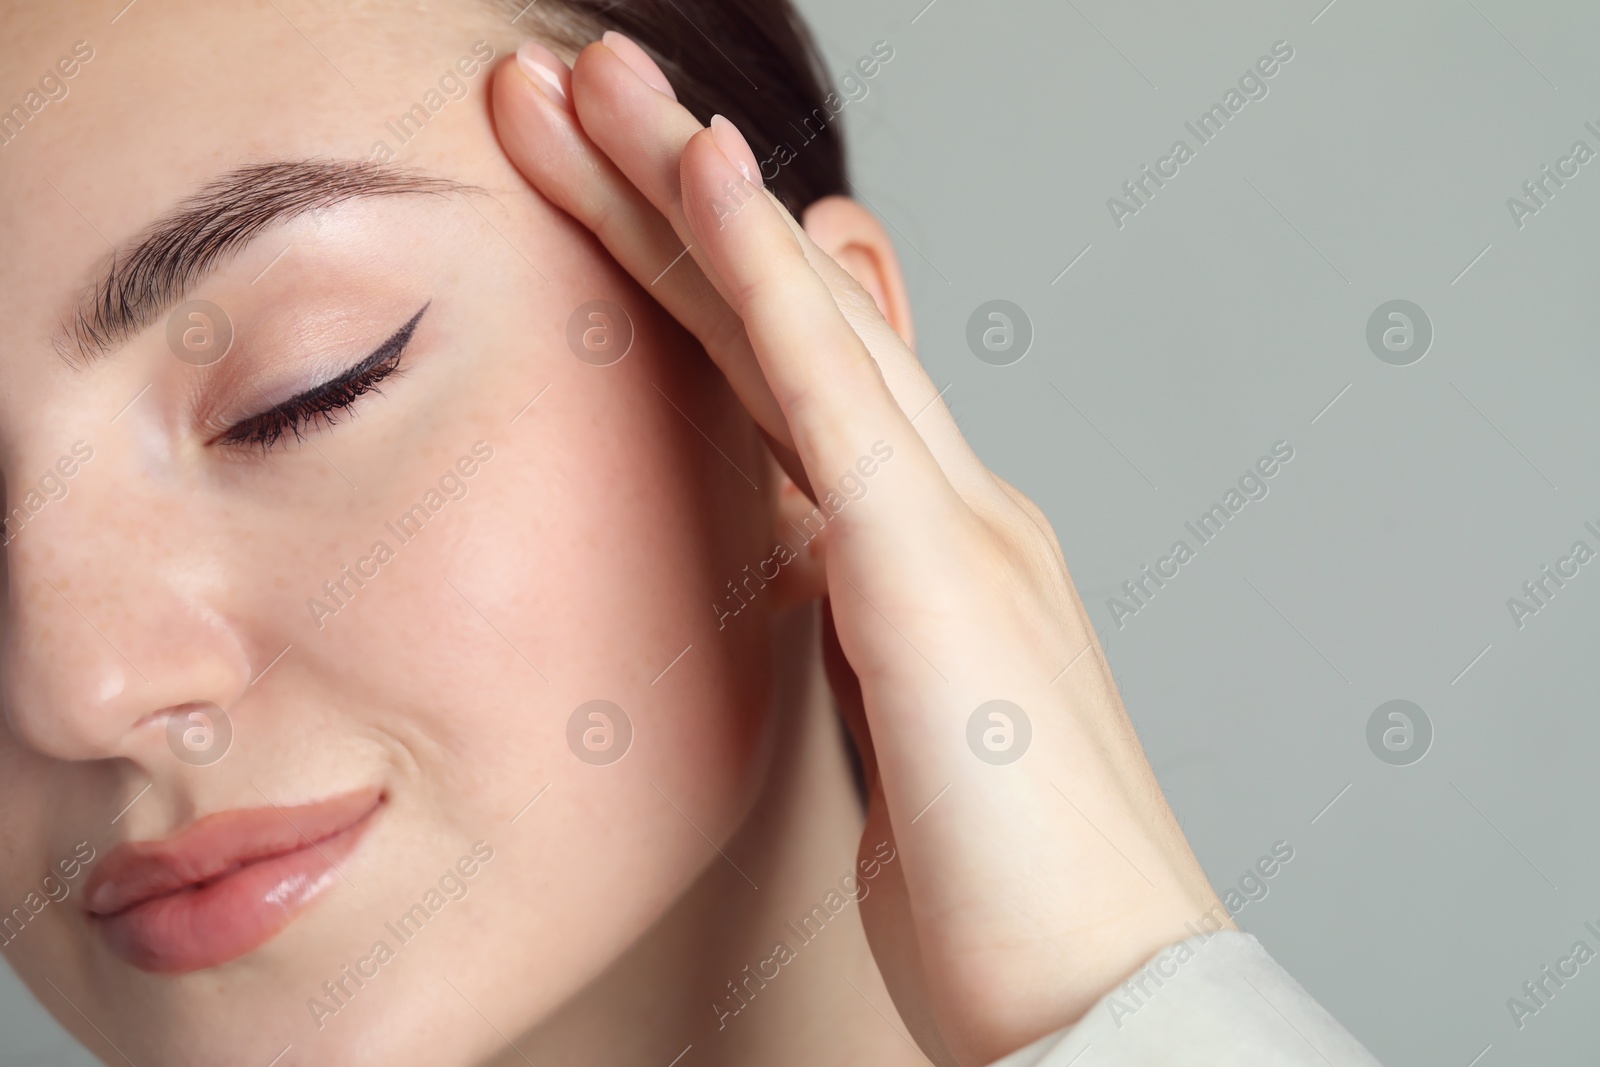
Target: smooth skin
x=1025, y=891
x=584, y=560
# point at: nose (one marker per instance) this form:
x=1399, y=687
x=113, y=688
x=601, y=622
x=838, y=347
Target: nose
x=113, y=607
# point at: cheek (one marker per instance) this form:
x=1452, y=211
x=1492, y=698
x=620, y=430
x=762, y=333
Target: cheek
x=581, y=566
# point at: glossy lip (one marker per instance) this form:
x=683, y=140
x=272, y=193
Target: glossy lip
x=227, y=884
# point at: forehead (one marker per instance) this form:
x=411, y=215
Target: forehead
x=180, y=85
x=170, y=94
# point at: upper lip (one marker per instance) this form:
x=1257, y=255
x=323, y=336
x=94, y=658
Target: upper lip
x=217, y=845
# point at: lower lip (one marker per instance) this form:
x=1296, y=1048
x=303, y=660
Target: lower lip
x=196, y=928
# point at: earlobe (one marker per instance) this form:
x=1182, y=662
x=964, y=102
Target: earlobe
x=855, y=238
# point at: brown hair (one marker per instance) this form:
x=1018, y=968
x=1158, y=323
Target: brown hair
x=752, y=61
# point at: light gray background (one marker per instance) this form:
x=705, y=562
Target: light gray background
x=1224, y=317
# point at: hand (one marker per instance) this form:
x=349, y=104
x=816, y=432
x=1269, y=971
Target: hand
x=1030, y=888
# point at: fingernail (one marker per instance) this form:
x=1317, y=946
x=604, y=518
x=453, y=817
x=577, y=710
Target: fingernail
x=545, y=69
x=736, y=149
x=639, y=60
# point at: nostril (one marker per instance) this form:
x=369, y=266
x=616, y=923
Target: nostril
x=151, y=719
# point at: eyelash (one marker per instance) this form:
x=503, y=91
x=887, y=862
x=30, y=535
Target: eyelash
x=325, y=404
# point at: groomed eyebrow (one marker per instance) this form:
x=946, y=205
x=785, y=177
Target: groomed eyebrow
x=159, y=267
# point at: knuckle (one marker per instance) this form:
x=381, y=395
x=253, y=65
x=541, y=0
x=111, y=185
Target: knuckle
x=1024, y=536
x=726, y=333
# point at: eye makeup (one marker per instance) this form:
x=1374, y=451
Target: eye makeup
x=323, y=404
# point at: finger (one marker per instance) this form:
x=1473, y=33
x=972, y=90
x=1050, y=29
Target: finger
x=539, y=131
x=903, y=372
x=639, y=127
x=826, y=381
x=644, y=132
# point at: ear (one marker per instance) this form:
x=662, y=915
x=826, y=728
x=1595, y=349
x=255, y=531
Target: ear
x=854, y=237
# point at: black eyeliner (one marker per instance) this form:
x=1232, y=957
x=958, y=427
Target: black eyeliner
x=326, y=400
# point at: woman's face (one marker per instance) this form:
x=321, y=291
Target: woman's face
x=396, y=608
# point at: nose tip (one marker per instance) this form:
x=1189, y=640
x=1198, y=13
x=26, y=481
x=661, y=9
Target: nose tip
x=122, y=598
x=89, y=680
x=57, y=703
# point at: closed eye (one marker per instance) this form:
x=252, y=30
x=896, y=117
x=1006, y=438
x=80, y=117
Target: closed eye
x=324, y=404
